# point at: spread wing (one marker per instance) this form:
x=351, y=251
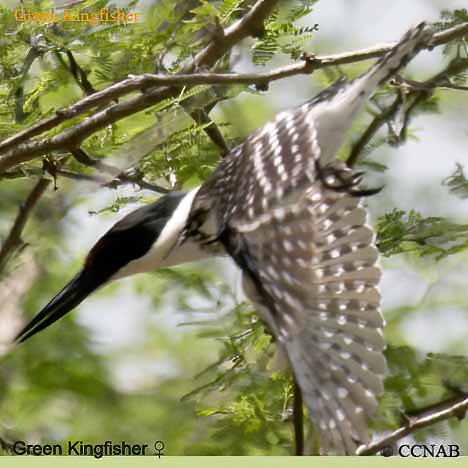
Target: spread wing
x=309, y=266
x=313, y=277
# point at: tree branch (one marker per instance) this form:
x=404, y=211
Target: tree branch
x=456, y=407
x=450, y=34
x=17, y=149
x=135, y=83
x=13, y=240
x=136, y=178
x=249, y=25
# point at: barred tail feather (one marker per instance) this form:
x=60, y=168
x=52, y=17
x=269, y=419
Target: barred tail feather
x=333, y=115
x=400, y=54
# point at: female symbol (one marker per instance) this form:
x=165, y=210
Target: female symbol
x=159, y=447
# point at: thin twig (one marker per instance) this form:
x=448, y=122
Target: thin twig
x=450, y=34
x=21, y=172
x=37, y=49
x=79, y=75
x=80, y=176
x=13, y=240
x=6, y=446
x=135, y=178
x=201, y=117
x=418, y=93
x=119, y=177
x=122, y=179
x=298, y=419
x=373, y=127
x=455, y=409
x=454, y=86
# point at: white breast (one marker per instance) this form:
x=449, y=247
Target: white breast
x=162, y=253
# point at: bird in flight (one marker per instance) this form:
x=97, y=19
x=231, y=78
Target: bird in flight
x=290, y=215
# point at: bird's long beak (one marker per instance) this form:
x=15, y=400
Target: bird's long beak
x=66, y=300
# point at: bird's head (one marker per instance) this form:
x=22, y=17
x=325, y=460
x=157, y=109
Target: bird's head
x=142, y=241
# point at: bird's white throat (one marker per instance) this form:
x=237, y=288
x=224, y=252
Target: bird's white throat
x=162, y=254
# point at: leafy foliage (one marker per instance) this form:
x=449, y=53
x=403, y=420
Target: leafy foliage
x=175, y=157
x=398, y=231
x=282, y=35
x=452, y=18
x=449, y=19
x=415, y=382
x=457, y=183
x=259, y=393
